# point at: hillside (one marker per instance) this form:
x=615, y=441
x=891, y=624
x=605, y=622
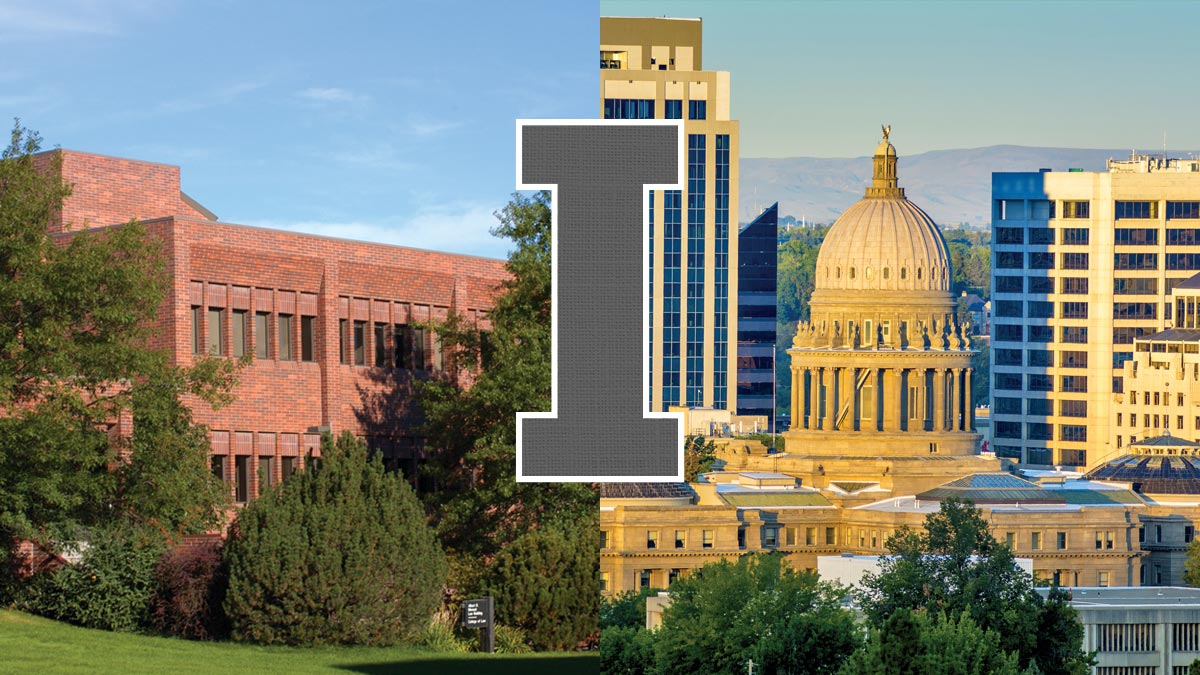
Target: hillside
x=953, y=186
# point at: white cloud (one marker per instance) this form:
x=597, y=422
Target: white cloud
x=332, y=95
x=426, y=128
x=465, y=230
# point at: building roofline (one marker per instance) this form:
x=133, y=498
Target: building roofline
x=656, y=18
x=196, y=221
x=103, y=156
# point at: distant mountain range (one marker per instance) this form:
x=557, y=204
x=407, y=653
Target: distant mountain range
x=953, y=186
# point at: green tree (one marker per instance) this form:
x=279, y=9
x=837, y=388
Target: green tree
x=74, y=357
x=797, y=279
x=1191, y=564
x=478, y=506
x=698, y=457
x=626, y=609
x=547, y=583
x=956, y=567
x=626, y=650
x=1194, y=668
x=340, y=553
x=726, y=614
x=911, y=643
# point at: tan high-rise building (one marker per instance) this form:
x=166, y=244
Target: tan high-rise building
x=651, y=69
x=1083, y=263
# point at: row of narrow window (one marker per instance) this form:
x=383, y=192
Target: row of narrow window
x=209, y=334
x=1014, y=209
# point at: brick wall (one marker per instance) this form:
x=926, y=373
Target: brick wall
x=222, y=274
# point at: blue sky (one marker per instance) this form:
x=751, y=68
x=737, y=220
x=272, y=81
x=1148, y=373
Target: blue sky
x=818, y=78
x=385, y=121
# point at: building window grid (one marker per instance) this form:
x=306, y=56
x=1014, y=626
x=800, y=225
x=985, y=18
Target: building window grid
x=1126, y=637
x=628, y=108
x=672, y=293
x=721, y=274
x=697, y=152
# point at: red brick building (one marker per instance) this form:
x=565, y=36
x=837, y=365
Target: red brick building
x=333, y=327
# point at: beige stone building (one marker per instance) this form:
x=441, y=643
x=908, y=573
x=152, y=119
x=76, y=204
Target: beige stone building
x=887, y=434
x=651, y=68
x=1083, y=265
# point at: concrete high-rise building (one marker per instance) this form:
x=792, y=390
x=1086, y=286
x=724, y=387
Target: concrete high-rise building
x=758, y=284
x=651, y=69
x=1082, y=264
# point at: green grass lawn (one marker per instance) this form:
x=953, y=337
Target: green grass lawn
x=30, y=644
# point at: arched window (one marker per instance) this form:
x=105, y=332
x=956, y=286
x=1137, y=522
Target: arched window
x=839, y=273
x=851, y=272
x=903, y=272
x=918, y=274
x=885, y=272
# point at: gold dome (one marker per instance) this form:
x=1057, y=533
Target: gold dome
x=884, y=242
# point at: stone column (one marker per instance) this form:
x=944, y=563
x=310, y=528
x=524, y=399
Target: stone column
x=939, y=399
x=969, y=413
x=831, y=395
x=814, y=398
x=799, y=395
x=854, y=420
x=956, y=418
x=893, y=406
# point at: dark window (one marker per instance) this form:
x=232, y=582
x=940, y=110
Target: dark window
x=1119, y=359
x=1074, y=383
x=1040, y=406
x=1009, y=285
x=1074, y=261
x=285, y=337
x=217, y=464
x=1126, y=286
x=697, y=110
x=1008, y=357
x=1007, y=429
x=1041, y=261
x=1076, y=209
x=1007, y=381
x=242, y=478
x=1040, y=383
x=1073, y=359
x=380, y=345
x=1072, y=432
x=673, y=109
x=1008, y=308
x=1075, y=236
x=1074, y=310
x=1130, y=209
x=1183, y=237
x=1074, y=457
x=1007, y=332
x=1040, y=309
x=1039, y=431
x=216, y=343
x=1135, y=310
x=1009, y=260
x=1042, y=358
x=402, y=346
x=628, y=108
x=1183, y=210
x=197, y=312
x=1074, y=285
x=360, y=339
x=1075, y=335
x=1183, y=261
x=1135, y=261
x=307, y=324
x=1041, y=284
x=266, y=474
x=1041, y=235
x=1041, y=334
x=435, y=352
x=1135, y=236
x=239, y=333
x=262, y=336
x=287, y=467
x=1125, y=334
x=1006, y=406
x=1010, y=235
x=418, y=349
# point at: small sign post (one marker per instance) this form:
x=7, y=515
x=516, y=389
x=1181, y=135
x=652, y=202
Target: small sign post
x=480, y=613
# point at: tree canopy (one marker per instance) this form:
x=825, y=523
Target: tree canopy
x=74, y=358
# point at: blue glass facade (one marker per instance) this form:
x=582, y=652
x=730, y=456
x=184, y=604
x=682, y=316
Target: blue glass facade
x=673, y=109
x=721, y=274
x=695, y=269
x=697, y=110
x=672, y=263
x=757, y=288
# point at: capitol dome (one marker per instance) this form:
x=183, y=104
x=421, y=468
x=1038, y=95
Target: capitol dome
x=884, y=242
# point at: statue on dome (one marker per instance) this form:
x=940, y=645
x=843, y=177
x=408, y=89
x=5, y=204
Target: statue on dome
x=887, y=129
